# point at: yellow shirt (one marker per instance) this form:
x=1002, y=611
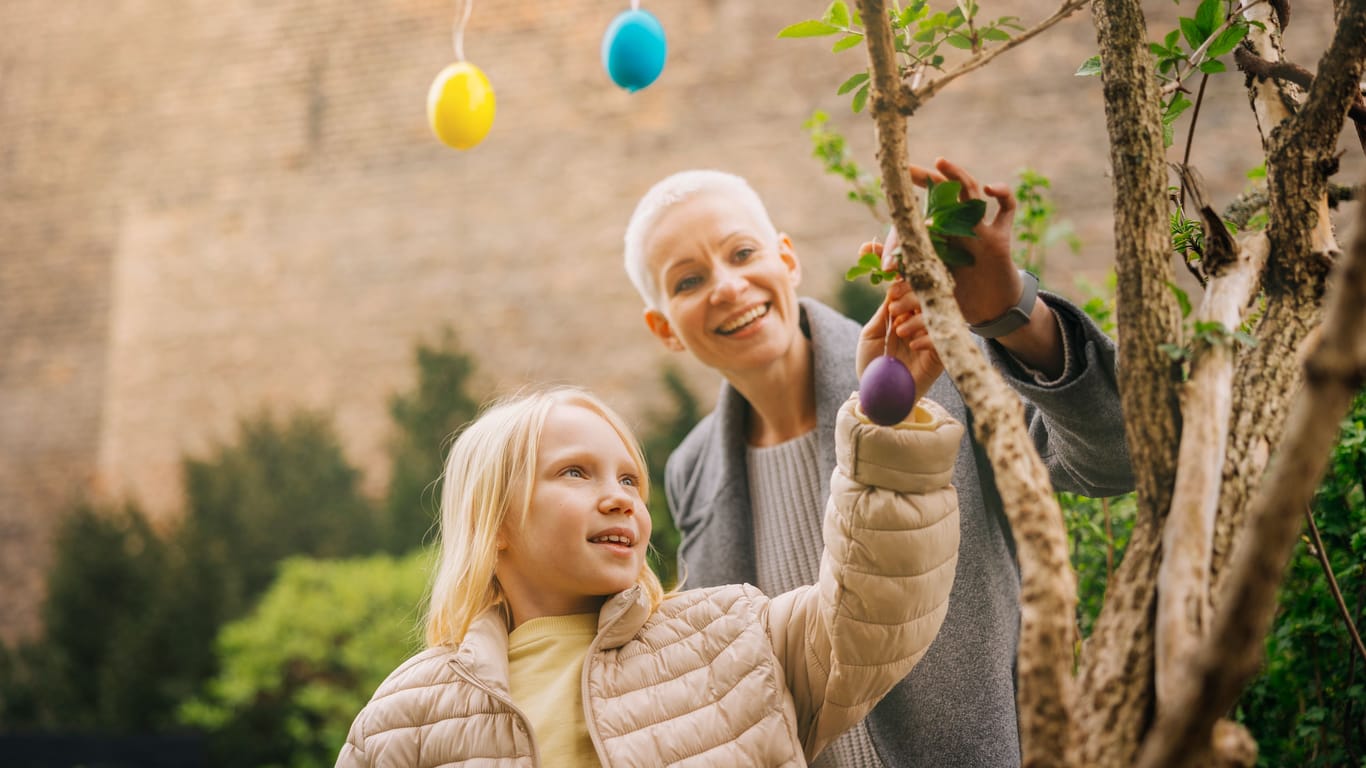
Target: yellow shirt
x=545, y=674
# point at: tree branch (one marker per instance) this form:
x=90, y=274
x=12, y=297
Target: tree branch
x=913, y=97
x=1048, y=586
x=1322, y=555
x=1334, y=371
x=1300, y=141
x=1187, y=538
x=1116, y=663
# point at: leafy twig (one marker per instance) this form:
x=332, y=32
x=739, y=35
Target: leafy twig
x=1190, y=134
x=1322, y=555
x=1197, y=56
x=912, y=97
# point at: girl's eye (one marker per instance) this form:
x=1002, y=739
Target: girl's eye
x=630, y=480
x=743, y=255
x=687, y=283
x=574, y=472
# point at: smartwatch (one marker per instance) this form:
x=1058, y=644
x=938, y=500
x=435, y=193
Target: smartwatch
x=1017, y=316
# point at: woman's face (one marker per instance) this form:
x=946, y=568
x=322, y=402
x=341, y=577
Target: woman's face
x=727, y=284
x=586, y=529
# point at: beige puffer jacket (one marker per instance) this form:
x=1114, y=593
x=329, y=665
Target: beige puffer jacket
x=722, y=676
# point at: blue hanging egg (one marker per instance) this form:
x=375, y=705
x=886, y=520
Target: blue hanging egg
x=633, y=49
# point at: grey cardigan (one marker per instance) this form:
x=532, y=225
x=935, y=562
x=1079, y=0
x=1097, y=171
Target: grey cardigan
x=957, y=708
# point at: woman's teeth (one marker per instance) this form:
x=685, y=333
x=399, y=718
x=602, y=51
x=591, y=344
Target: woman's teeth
x=744, y=320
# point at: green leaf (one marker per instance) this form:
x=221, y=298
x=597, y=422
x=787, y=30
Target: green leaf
x=959, y=40
x=1089, y=68
x=1170, y=40
x=855, y=273
x=992, y=33
x=860, y=98
x=845, y=43
x=1208, y=16
x=1173, y=351
x=958, y=220
x=911, y=14
x=1257, y=173
x=1192, y=33
x=1182, y=299
x=809, y=28
x=1227, y=40
x=1173, y=110
x=941, y=196
x=952, y=255
x=1212, y=67
x=852, y=83
x=837, y=14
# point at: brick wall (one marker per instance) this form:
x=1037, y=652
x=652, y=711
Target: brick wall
x=211, y=209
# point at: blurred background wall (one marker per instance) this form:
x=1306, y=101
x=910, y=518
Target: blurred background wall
x=213, y=209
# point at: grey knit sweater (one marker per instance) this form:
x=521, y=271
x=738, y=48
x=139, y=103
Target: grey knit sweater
x=957, y=708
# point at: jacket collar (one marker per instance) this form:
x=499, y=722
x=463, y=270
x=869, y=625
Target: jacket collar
x=484, y=652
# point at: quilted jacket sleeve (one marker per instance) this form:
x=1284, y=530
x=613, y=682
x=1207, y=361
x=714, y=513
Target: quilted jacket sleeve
x=891, y=548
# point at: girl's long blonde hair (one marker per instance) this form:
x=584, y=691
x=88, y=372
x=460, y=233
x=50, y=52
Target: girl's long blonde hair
x=491, y=467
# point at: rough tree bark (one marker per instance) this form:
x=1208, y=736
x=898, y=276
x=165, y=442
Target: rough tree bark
x=1048, y=586
x=1111, y=719
x=1116, y=669
x=1266, y=376
x=1206, y=405
x=1335, y=371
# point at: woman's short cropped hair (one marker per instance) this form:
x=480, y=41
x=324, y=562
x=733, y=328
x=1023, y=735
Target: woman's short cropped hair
x=489, y=469
x=669, y=192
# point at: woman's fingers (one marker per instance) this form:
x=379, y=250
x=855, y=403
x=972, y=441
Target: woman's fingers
x=1005, y=201
x=921, y=176
x=871, y=246
x=950, y=171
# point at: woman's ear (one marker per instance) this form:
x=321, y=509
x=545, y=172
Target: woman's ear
x=788, y=253
x=661, y=329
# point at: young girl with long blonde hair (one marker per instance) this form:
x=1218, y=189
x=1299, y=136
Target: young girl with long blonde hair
x=551, y=642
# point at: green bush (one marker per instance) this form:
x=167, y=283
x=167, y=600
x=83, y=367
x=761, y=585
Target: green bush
x=297, y=669
x=427, y=418
x=284, y=488
x=131, y=616
x=667, y=428
x=1308, y=708
x=1097, y=533
x=101, y=662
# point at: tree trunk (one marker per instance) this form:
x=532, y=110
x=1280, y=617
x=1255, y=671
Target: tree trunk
x=1266, y=376
x=1187, y=538
x=1116, y=663
x=1335, y=371
x=1048, y=586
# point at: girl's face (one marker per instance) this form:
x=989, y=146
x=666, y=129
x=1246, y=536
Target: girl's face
x=586, y=527
x=727, y=288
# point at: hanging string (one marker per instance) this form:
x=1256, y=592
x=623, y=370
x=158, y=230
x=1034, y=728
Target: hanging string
x=635, y=5
x=459, y=34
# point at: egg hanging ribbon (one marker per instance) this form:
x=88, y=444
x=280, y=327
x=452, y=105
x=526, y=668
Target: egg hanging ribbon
x=460, y=103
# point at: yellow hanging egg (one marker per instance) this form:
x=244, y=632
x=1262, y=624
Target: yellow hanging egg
x=460, y=105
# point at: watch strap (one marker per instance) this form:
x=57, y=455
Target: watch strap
x=1017, y=316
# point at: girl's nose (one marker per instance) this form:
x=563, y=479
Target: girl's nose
x=616, y=501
